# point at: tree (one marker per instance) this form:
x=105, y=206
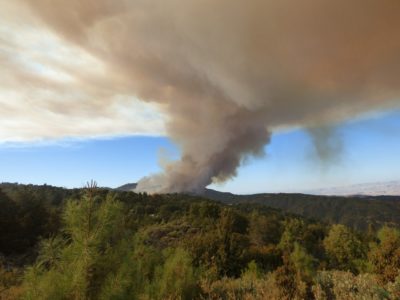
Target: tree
x=292, y=233
x=9, y=226
x=135, y=271
x=176, y=278
x=263, y=230
x=295, y=277
x=233, y=242
x=304, y=263
x=77, y=266
x=385, y=255
x=344, y=249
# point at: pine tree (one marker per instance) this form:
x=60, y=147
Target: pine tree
x=74, y=264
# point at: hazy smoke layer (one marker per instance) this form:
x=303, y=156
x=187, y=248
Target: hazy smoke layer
x=226, y=71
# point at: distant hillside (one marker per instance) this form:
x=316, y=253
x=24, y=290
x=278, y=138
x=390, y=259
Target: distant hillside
x=355, y=212
x=358, y=211
x=371, y=189
x=127, y=187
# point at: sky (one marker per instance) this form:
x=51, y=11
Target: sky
x=248, y=97
x=369, y=153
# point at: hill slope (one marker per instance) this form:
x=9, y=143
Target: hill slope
x=355, y=212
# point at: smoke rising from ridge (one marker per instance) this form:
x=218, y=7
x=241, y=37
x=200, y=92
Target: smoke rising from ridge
x=227, y=73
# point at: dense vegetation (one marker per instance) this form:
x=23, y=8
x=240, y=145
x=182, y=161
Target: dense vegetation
x=357, y=212
x=98, y=243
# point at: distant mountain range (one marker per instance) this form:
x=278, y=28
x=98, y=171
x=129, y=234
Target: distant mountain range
x=355, y=206
x=388, y=188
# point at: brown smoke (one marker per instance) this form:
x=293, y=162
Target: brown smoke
x=228, y=72
x=327, y=143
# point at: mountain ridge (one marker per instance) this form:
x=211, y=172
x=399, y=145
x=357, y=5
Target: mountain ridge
x=383, y=188
x=358, y=212
x=355, y=211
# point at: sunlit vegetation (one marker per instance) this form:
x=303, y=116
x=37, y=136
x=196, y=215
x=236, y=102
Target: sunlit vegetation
x=98, y=243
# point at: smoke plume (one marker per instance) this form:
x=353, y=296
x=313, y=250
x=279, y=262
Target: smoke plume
x=228, y=73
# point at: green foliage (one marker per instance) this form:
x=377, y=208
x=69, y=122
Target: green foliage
x=76, y=267
x=252, y=271
x=304, y=263
x=291, y=235
x=344, y=249
x=23, y=219
x=385, y=255
x=289, y=284
x=8, y=214
x=204, y=213
x=176, y=279
x=103, y=244
x=50, y=251
x=252, y=284
x=295, y=277
x=134, y=272
x=264, y=230
x=354, y=212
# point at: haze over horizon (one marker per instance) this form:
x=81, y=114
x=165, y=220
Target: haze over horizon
x=242, y=98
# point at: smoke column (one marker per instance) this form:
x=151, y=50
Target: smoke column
x=229, y=72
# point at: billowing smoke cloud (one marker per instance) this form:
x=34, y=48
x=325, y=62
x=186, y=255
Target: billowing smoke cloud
x=227, y=72
x=328, y=144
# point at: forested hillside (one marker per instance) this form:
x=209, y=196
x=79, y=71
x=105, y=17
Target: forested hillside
x=358, y=212
x=98, y=243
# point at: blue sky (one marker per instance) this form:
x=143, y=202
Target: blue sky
x=370, y=152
